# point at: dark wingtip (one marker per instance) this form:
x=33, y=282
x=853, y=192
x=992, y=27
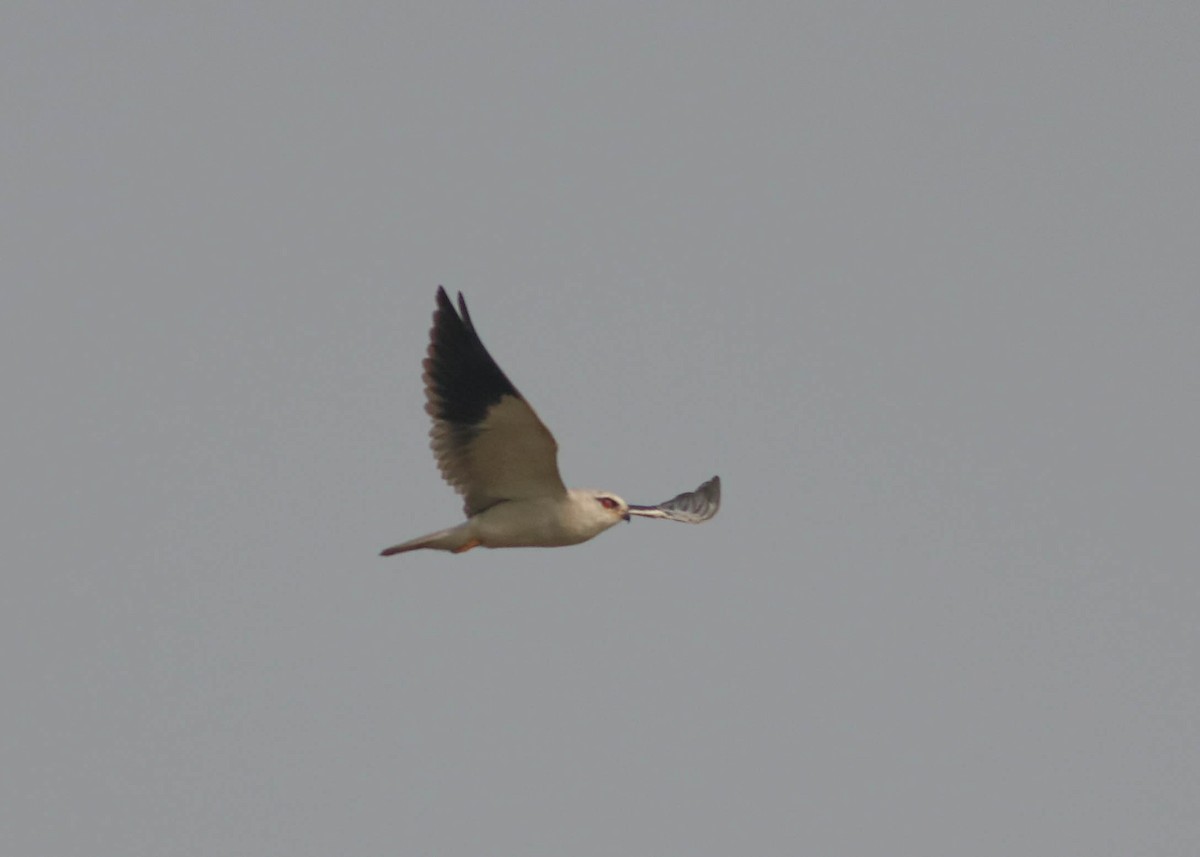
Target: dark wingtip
x=462, y=378
x=443, y=300
x=462, y=310
x=446, y=305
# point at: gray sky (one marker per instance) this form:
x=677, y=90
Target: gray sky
x=919, y=281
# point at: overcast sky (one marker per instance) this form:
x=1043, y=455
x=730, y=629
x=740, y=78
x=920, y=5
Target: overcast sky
x=918, y=280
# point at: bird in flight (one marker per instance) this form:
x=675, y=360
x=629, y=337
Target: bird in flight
x=494, y=451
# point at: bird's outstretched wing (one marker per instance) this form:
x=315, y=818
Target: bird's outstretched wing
x=489, y=444
x=691, y=507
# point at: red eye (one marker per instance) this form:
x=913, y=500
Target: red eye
x=608, y=502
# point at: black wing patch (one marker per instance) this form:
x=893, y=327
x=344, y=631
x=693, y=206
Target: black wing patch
x=462, y=379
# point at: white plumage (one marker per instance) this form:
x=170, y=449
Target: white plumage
x=492, y=448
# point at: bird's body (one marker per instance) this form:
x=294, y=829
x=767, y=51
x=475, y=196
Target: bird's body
x=492, y=448
x=536, y=522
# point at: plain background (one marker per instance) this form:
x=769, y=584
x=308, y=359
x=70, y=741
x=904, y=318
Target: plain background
x=918, y=280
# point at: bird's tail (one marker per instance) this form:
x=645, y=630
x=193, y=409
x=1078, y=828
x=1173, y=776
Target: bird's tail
x=455, y=539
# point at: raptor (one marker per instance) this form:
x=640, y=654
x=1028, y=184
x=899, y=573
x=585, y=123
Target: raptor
x=493, y=450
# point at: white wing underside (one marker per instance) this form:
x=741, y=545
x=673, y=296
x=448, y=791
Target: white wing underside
x=510, y=455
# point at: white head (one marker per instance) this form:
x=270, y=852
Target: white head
x=596, y=511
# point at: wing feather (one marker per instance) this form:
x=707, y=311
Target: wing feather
x=489, y=444
x=690, y=507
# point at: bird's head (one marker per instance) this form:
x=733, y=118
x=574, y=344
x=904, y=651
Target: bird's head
x=612, y=505
x=596, y=511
